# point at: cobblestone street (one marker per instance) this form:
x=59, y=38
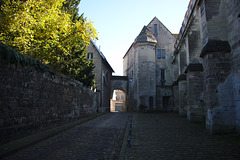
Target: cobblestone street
x=167, y=136
x=100, y=138
x=153, y=136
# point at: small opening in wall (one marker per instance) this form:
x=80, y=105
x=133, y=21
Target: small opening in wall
x=239, y=15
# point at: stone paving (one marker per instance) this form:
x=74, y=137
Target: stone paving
x=167, y=136
x=154, y=136
x=100, y=138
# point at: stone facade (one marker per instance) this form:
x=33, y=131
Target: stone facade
x=207, y=52
x=201, y=67
x=147, y=66
x=34, y=98
x=103, y=73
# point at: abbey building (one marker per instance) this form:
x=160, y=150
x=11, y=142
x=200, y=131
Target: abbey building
x=196, y=73
x=146, y=64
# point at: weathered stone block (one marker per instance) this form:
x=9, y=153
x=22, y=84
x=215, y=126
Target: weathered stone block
x=195, y=113
x=221, y=120
x=182, y=97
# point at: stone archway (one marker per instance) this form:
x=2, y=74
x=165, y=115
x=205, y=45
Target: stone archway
x=119, y=82
x=119, y=89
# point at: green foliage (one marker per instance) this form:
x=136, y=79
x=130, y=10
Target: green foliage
x=70, y=6
x=81, y=72
x=13, y=57
x=50, y=32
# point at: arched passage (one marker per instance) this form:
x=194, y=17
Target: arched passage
x=119, y=94
x=118, y=101
x=119, y=82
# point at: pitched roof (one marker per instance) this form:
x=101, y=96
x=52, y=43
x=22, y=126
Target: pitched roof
x=160, y=23
x=145, y=36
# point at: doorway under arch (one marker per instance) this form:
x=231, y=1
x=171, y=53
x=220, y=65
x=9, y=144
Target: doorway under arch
x=118, y=101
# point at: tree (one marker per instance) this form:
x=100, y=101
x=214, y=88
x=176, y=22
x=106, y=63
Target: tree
x=71, y=7
x=44, y=30
x=85, y=72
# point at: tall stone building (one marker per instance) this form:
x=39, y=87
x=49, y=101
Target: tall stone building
x=197, y=74
x=146, y=64
x=103, y=73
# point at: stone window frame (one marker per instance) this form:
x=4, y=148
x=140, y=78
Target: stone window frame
x=160, y=54
x=90, y=56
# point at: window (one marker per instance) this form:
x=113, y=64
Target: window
x=155, y=29
x=162, y=74
x=163, y=53
x=90, y=56
x=158, y=53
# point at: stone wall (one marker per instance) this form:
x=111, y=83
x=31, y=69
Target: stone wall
x=233, y=29
x=97, y=63
x=106, y=87
x=103, y=73
x=33, y=98
x=129, y=70
x=182, y=84
x=175, y=97
x=209, y=39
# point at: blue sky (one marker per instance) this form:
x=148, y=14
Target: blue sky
x=118, y=22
